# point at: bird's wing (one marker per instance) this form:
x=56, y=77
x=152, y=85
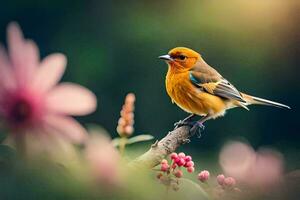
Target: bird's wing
x=208, y=79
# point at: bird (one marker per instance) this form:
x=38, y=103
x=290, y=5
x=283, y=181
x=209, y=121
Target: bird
x=200, y=90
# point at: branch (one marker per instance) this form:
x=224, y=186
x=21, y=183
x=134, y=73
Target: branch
x=160, y=149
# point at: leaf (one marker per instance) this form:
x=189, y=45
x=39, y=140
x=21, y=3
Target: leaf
x=116, y=141
x=139, y=138
x=132, y=140
x=189, y=189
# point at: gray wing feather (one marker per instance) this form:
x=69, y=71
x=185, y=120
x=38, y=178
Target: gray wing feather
x=227, y=90
x=203, y=73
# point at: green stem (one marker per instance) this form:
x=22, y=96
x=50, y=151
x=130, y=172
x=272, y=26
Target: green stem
x=122, y=145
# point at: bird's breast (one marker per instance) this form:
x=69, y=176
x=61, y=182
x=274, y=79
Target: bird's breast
x=189, y=98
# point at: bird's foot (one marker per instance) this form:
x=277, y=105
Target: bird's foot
x=182, y=123
x=197, y=128
x=188, y=121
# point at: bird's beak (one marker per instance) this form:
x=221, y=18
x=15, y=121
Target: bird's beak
x=166, y=57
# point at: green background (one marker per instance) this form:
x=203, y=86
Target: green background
x=112, y=48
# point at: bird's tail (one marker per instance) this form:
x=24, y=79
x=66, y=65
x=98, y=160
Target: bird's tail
x=260, y=101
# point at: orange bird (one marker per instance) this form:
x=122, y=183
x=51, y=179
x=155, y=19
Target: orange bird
x=199, y=89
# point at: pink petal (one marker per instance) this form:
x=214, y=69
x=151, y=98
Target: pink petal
x=23, y=54
x=50, y=71
x=4, y=62
x=15, y=42
x=236, y=159
x=32, y=58
x=6, y=78
x=68, y=127
x=72, y=99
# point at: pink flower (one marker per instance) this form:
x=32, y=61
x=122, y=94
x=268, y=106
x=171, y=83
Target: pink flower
x=203, y=176
x=236, y=158
x=262, y=169
x=30, y=100
x=103, y=159
x=267, y=170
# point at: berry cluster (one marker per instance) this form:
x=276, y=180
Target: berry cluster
x=170, y=172
x=203, y=176
x=226, y=188
x=181, y=160
x=226, y=182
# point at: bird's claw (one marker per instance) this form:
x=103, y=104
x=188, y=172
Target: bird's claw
x=197, y=128
x=181, y=123
x=176, y=124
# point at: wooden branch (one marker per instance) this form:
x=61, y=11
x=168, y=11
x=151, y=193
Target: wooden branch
x=160, y=149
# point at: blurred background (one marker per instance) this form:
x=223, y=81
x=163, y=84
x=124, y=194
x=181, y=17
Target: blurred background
x=112, y=48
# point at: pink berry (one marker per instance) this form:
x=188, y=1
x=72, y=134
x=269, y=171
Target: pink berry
x=177, y=159
x=188, y=158
x=203, y=176
x=164, y=167
x=229, y=182
x=173, y=156
x=164, y=161
x=181, y=155
x=174, y=165
x=220, y=179
x=178, y=173
x=190, y=169
x=189, y=164
x=181, y=162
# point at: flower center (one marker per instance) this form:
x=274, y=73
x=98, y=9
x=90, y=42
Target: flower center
x=21, y=111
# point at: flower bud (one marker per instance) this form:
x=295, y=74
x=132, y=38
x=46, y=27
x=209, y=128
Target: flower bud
x=220, y=179
x=229, y=182
x=178, y=173
x=181, y=162
x=190, y=169
x=188, y=158
x=164, y=161
x=181, y=155
x=189, y=164
x=164, y=167
x=203, y=176
x=173, y=156
x=174, y=165
x=126, y=121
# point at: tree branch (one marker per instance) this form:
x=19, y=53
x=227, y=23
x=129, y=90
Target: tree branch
x=160, y=149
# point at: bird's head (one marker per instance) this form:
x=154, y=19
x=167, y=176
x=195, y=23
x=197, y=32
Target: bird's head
x=181, y=58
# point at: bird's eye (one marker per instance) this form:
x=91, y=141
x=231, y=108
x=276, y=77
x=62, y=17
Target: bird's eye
x=182, y=57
